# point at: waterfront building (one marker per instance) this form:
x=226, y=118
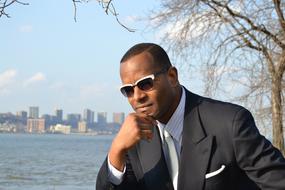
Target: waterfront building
x=118, y=117
x=73, y=119
x=49, y=120
x=59, y=115
x=36, y=125
x=59, y=128
x=8, y=128
x=88, y=116
x=102, y=117
x=47, y=117
x=22, y=114
x=82, y=127
x=34, y=112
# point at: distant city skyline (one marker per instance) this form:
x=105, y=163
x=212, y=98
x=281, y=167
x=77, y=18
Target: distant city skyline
x=33, y=109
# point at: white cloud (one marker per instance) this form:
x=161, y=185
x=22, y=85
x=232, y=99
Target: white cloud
x=7, y=77
x=26, y=28
x=36, y=78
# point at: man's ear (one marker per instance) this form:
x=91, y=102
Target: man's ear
x=173, y=76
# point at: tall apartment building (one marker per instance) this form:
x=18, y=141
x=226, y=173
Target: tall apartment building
x=36, y=125
x=119, y=117
x=73, y=119
x=82, y=127
x=59, y=115
x=22, y=114
x=34, y=112
x=88, y=116
x=102, y=117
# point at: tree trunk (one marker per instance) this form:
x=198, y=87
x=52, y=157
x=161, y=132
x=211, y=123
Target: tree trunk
x=277, y=113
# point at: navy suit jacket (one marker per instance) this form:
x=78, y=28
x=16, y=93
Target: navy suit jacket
x=214, y=134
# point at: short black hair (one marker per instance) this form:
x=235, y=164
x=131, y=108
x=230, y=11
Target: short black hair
x=158, y=54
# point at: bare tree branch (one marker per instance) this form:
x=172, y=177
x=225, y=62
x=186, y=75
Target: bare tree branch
x=108, y=7
x=8, y=3
x=260, y=28
x=75, y=8
x=277, y=5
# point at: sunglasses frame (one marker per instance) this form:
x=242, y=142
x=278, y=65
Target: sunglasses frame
x=152, y=77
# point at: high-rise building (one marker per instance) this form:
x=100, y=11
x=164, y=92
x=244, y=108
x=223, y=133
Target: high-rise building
x=22, y=114
x=82, y=127
x=59, y=115
x=36, y=125
x=34, y=112
x=49, y=120
x=88, y=116
x=102, y=117
x=47, y=117
x=119, y=117
x=73, y=119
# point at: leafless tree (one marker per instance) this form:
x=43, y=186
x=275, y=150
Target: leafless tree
x=234, y=41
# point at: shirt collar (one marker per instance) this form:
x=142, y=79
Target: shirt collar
x=175, y=124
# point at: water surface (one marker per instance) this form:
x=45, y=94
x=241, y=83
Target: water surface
x=51, y=162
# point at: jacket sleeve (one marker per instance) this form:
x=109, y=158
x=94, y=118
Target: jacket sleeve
x=129, y=182
x=262, y=162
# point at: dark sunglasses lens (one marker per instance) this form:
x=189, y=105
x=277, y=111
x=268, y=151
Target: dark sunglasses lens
x=145, y=84
x=127, y=91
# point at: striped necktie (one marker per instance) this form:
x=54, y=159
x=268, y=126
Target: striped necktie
x=172, y=159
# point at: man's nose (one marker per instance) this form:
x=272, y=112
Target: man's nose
x=138, y=94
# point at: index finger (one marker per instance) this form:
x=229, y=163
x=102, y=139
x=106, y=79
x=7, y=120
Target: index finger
x=149, y=119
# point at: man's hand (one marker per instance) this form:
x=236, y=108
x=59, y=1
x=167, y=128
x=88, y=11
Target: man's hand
x=135, y=128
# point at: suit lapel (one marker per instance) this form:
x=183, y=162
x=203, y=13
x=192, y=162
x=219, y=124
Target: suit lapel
x=151, y=166
x=196, y=147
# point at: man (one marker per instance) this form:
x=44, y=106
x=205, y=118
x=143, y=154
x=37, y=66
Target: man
x=216, y=145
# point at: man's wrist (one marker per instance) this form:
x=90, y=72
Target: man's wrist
x=115, y=176
x=117, y=156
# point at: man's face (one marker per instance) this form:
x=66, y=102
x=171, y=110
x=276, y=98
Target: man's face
x=157, y=102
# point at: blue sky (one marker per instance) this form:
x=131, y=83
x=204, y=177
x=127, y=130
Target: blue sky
x=50, y=61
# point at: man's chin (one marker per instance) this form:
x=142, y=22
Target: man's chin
x=146, y=112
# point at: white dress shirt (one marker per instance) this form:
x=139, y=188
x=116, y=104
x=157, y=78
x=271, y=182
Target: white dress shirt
x=174, y=127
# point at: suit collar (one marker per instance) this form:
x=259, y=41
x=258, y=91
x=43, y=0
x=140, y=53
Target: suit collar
x=195, y=131
x=196, y=147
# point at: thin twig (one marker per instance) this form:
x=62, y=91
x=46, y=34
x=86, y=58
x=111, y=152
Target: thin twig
x=75, y=8
x=6, y=4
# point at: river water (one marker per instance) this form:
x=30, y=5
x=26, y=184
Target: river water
x=51, y=162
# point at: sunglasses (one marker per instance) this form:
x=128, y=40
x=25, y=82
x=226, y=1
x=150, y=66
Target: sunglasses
x=145, y=84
